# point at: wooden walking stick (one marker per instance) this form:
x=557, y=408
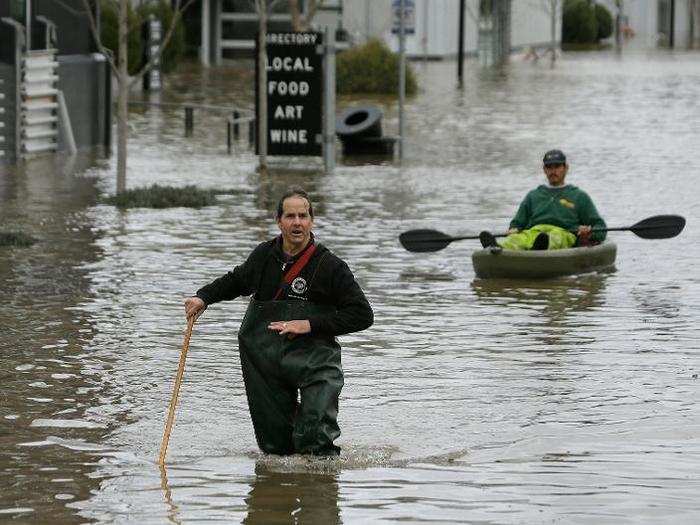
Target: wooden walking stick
x=176, y=391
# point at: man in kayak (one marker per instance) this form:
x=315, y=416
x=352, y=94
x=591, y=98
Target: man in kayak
x=303, y=297
x=552, y=216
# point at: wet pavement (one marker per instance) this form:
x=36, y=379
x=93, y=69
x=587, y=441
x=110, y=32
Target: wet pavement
x=490, y=401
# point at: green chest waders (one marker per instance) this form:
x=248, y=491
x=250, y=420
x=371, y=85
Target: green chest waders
x=275, y=368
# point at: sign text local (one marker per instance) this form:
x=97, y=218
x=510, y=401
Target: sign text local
x=294, y=87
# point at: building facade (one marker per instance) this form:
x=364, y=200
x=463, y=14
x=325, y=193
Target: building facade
x=228, y=27
x=57, y=89
x=659, y=23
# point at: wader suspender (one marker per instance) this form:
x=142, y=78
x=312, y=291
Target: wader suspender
x=295, y=270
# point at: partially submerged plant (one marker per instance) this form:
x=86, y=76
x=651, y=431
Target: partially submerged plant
x=18, y=239
x=157, y=196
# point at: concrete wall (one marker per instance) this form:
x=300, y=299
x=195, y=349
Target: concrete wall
x=531, y=24
x=72, y=26
x=83, y=80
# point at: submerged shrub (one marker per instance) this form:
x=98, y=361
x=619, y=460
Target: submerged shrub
x=579, y=25
x=16, y=239
x=372, y=68
x=163, y=197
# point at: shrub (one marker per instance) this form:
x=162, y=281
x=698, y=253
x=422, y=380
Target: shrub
x=163, y=197
x=579, y=25
x=371, y=68
x=109, y=33
x=605, y=21
x=176, y=47
x=18, y=239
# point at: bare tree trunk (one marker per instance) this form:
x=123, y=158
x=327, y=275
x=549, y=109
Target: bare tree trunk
x=553, y=27
x=302, y=23
x=121, y=71
x=296, y=15
x=122, y=97
x=262, y=86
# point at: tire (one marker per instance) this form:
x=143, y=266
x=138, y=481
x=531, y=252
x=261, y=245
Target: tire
x=360, y=122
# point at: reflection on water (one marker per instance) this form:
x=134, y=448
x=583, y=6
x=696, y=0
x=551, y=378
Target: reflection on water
x=281, y=497
x=173, y=511
x=554, y=301
x=468, y=400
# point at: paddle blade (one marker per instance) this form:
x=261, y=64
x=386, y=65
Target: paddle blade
x=424, y=240
x=659, y=227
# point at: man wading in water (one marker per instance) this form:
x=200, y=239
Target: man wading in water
x=550, y=213
x=303, y=296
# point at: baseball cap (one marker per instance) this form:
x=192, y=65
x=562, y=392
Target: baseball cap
x=554, y=156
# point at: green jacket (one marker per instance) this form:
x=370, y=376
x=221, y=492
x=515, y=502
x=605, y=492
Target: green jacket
x=567, y=207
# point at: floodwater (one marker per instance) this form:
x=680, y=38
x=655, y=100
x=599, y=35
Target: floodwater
x=572, y=400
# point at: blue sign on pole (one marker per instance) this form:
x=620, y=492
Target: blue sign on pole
x=409, y=17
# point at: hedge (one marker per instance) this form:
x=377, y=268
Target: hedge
x=605, y=21
x=371, y=69
x=580, y=25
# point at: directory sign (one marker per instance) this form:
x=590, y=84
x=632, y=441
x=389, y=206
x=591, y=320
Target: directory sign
x=294, y=93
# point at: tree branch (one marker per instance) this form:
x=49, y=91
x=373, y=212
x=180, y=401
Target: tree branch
x=177, y=14
x=98, y=40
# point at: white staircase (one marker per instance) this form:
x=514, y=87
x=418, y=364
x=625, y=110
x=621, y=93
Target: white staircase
x=39, y=106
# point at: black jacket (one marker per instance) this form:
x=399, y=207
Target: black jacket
x=326, y=279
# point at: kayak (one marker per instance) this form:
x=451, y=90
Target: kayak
x=541, y=264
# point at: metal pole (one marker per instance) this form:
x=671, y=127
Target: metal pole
x=402, y=75
x=367, y=20
x=229, y=135
x=28, y=14
x=251, y=133
x=189, y=120
x=425, y=30
x=618, y=26
x=460, y=44
x=672, y=29
x=329, y=100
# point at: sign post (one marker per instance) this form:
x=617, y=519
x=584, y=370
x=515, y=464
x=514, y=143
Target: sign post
x=406, y=18
x=329, y=101
x=294, y=89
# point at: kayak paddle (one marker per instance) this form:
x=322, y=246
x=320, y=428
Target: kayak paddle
x=656, y=227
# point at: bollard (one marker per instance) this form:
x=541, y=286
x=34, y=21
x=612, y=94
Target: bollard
x=251, y=133
x=189, y=120
x=229, y=136
x=236, y=116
